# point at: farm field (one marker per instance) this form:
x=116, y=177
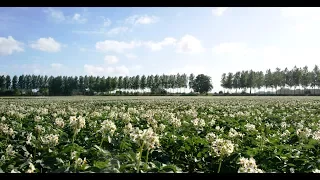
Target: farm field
x=160, y=134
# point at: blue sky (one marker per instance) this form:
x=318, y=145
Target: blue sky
x=131, y=41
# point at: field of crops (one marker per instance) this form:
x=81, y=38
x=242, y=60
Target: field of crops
x=190, y=134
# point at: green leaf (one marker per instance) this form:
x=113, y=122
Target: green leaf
x=101, y=164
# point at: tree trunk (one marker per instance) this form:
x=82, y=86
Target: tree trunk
x=250, y=90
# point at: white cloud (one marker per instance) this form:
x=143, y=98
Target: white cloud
x=305, y=19
x=58, y=16
x=117, y=30
x=46, y=44
x=116, y=46
x=188, y=69
x=56, y=65
x=9, y=46
x=111, y=32
x=136, y=67
x=131, y=56
x=111, y=59
x=93, y=70
x=78, y=18
x=301, y=12
x=104, y=70
x=121, y=70
x=156, y=46
x=189, y=44
x=233, y=48
x=141, y=19
x=106, y=22
x=219, y=11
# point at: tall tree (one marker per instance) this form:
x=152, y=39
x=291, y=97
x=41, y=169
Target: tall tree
x=15, y=82
x=8, y=82
x=191, y=79
x=21, y=82
x=143, y=82
x=202, y=84
x=236, y=81
x=229, y=80
x=224, y=81
x=305, y=78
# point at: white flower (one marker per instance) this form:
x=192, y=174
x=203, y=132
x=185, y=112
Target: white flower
x=29, y=138
x=210, y=137
x=222, y=147
x=108, y=126
x=316, y=171
x=147, y=137
x=39, y=129
x=248, y=166
x=250, y=127
x=10, y=151
x=59, y=122
x=37, y=118
x=31, y=168
x=50, y=139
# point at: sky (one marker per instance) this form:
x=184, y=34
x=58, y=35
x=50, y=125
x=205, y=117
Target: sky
x=110, y=41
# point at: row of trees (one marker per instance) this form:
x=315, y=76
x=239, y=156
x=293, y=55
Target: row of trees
x=68, y=85
x=296, y=77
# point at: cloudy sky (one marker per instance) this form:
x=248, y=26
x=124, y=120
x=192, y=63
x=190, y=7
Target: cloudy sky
x=131, y=41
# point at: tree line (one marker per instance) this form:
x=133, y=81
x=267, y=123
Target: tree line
x=249, y=79
x=83, y=85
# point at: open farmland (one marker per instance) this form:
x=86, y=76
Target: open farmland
x=160, y=134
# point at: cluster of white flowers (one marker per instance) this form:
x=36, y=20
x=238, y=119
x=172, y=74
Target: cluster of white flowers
x=29, y=138
x=212, y=122
x=39, y=129
x=10, y=151
x=192, y=112
x=128, y=128
x=316, y=171
x=250, y=127
x=50, y=139
x=284, y=125
x=133, y=110
x=219, y=129
x=285, y=133
x=80, y=162
x=198, y=123
x=210, y=137
x=77, y=123
x=96, y=114
x=126, y=117
x=221, y=147
x=175, y=122
x=31, y=168
x=112, y=114
x=152, y=122
x=59, y=122
x=3, y=118
x=108, y=126
x=248, y=166
x=161, y=127
x=305, y=132
x=147, y=137
x=269, y=125
x=42, y=111
x=233, y=133
x=316, y=135
x=4, y=129
x=38, y=118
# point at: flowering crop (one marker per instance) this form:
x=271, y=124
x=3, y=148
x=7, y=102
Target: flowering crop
x=192, y=134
